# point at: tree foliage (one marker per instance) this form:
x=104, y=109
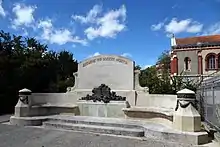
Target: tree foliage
x=164, y=84
x=27, y=63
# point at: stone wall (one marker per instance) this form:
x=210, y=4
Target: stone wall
x=139, y=99
x=194, y=62
x=156, y=100
x=53, y=98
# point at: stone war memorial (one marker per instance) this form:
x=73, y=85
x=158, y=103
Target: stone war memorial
x=107, y=98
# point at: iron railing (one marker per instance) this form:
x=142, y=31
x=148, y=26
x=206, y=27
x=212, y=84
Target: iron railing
x=208, y=97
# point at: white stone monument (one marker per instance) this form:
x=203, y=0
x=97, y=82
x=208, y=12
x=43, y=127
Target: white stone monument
x=186, y=117
x=117, y=73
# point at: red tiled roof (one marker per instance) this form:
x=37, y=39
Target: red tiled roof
x=200, y=39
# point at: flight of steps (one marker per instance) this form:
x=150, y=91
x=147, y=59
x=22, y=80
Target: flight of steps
x=95, y=125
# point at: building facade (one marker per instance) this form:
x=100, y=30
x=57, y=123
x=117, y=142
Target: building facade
x=195, y=56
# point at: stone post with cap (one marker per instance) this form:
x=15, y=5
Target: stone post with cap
x=23, y=106
x=137, y=82
x=186, y=117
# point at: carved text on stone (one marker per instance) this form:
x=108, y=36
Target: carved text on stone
x=105, y=59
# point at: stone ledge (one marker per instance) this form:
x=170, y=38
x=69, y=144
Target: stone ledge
x=168, y=112
x=101, y=103
x=96, y=128
x=55, y=105
x=28, y=121
x=46, y=109
x=148, y=113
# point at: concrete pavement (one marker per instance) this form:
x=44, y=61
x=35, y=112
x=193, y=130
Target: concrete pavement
x=15, y=136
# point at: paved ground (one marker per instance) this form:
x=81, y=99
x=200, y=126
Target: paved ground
x=5, y=118
x=13, y=136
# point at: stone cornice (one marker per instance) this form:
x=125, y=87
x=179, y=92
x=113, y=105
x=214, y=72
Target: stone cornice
x=195, y=49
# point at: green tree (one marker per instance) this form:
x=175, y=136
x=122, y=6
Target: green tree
x=27, y=63
x=67, y=66
x=149, y=78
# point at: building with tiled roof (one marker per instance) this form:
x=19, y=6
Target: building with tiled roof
x=195, y=56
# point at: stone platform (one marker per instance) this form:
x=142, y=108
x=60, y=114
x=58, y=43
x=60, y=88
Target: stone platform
x=116, y=126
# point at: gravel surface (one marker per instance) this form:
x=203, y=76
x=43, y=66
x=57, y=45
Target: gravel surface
x=4, y=118
x=14, y=136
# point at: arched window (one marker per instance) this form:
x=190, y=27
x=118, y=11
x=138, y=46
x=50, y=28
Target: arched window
x=187, y=63
x=211, y=61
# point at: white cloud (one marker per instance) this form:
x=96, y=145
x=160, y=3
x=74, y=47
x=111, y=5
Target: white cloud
x=187, y=25
x=95, y=54
x=60, y=37
x=91, y=15
x=45, y=23
x=57, y=36
x=126, y=55
x=47, y=28
x=157, y=27
x=195, y=28
x=107, y=25
x=2, y=11
x=213, y=29
x=23, y=15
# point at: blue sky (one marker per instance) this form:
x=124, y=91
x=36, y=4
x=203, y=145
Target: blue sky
x=139, y=29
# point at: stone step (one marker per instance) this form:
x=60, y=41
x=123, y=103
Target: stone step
x=95, y=128
x=121, y=123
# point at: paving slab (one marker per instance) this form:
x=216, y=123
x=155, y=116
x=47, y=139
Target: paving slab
x=17, y=136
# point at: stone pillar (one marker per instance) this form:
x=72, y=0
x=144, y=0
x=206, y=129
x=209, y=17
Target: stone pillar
x=176, y=65
x=24, y=103
x=171, y=67
x=137, y=82
x=216, y=62
x=71, y=89
x=200, y=68
x=186, y=117
x=136, y=78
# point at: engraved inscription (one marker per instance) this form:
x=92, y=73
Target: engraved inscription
x=103, y=59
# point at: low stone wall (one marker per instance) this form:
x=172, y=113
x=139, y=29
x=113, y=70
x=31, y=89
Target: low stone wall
x=139, y=99
x=54, y=98
x=156, y=100
x=54, y=103
x=73, y=97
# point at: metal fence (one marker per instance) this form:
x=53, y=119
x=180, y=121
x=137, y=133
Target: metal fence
x=208, y=96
